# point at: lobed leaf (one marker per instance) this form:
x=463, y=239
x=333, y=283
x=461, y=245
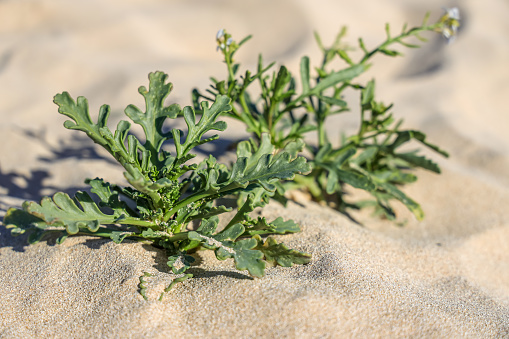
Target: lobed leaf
x=244, y=255
x=279, y=253
x=180, y=262
x=156, y=113
x=206, y=123
x=405, y=136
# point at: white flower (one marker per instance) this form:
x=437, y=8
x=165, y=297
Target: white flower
x=220, y=34
x=450, y=22
x=453, y=13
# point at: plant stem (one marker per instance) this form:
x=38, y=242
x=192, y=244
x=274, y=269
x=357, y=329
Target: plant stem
x=389, y=41
x=198, y=196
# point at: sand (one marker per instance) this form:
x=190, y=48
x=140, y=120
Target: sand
x=447, y=276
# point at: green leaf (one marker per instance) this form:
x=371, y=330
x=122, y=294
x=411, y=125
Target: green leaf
x=244, y=255
x=248, y=149
x=419, y=161
x=146, y=278
x=332, y=182
x=335, y=78
x=180, y=262
x=20, y=221
x=295, y=147
x=278, y=226
x=205, y=212
x=252, y=200
x=282, y=79
x=35, y=236
x=390, y=52
x=178, y=278
x=265, y=169
x=62, y=211
x=279, y=253
x=333, y=101
x=100, y=133
x=144, y=284
x=60, y=240
x=405, y=136
x=355, y=179
x=148, y=233
x=304, y=74
x=414, y=207
x=368, y=95
x=206, y=123
x=330, y=80
x=231, y=233
x=108, y=195
x=118, y=237
x=208, y=226
x=156, y=113
x=366, y=155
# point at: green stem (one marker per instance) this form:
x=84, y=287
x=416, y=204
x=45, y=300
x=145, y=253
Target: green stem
x=106, y=233
x=389, y=41
x=243, y=103
x=198, y=196
x=322, y=138
x=128, y=221
x=228, y=61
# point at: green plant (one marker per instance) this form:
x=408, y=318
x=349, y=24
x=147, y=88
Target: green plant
x=371, y=159
x=167, y=192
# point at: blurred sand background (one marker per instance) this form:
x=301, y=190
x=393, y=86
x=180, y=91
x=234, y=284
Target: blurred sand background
x=447, y=276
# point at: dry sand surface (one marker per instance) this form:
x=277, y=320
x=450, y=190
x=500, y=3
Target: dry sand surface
x=447, y=276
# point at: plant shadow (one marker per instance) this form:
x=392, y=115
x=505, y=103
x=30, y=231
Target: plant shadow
x=77, y=146
x=200, y=273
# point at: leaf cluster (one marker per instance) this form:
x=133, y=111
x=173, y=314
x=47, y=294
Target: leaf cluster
x=167, y=191
x=288, y=107
x=170, y=191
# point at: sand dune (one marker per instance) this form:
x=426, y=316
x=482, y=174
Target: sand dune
x=447, y=276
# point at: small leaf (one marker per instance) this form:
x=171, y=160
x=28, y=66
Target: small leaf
x=148, y=233
x=279, y=253
x=208, y=226
x=304, y=74
x=144, y=284
x=355, y=179
x=178, y=278
x=248, y=259
x=206, y=123
x=408, y=202
x=282, y=227
x=391, y=52
x=63, y=211
x=404, y=136
x=419, y=161
x=332, y=79
x=231, y=233
x=180, y=262
x=278, y=226
x=367, y=155
x=60, y=240
x=333, y=101
x=118, y=237
x=20, y=221
x=35, y=236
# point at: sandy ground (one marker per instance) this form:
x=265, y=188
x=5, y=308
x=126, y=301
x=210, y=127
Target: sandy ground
x=447, y=276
